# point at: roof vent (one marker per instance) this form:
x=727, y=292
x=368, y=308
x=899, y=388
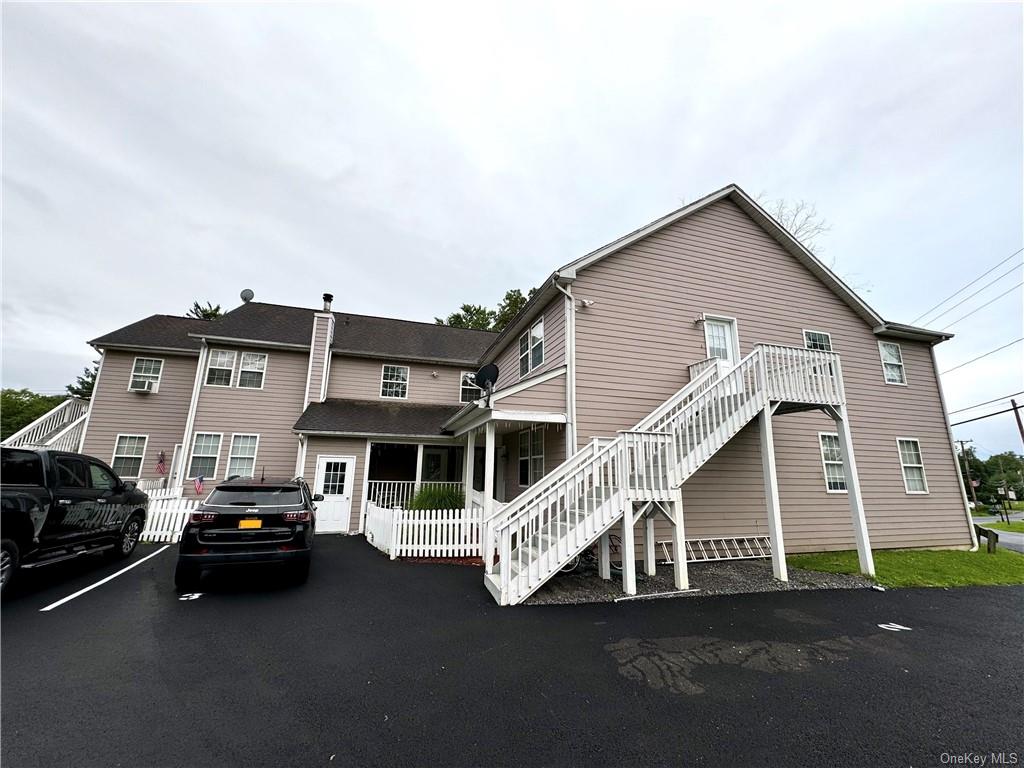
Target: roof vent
x=328, y=298
x=246, y=295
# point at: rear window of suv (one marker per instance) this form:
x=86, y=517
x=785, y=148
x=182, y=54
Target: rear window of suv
x=260, y=496
x=20, y=468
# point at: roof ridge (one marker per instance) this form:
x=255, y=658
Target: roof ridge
x=338, y=313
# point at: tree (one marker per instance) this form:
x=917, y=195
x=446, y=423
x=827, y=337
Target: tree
x=473, y=316
x=209, y=312
x=510, y=306
x=799, y=217
x=20, y=407
x=85, y=382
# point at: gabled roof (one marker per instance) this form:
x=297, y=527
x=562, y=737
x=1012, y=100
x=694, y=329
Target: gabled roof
x=169, y=333
x=374, y=417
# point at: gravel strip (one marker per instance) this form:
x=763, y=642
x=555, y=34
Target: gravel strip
x=714, y=578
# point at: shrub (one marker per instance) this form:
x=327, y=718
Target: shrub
x=438, y=497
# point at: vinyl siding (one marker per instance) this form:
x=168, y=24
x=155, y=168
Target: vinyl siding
x=554, y=454
x=161, y=415
x=269, y=412
x=634, y=343
x=339, y=446
x=359, y=378
x=546, y=396
x=507, y=358
x=318, y=356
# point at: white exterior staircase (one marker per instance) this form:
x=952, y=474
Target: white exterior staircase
x=563, y=514
x=59, y=429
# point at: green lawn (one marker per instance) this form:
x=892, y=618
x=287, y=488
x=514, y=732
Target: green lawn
x=1016, y=526
x=924, y=568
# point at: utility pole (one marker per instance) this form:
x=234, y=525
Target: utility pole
x=1020, y=424
x=967, y=470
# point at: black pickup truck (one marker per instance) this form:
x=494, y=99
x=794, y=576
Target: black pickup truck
x=58, y=505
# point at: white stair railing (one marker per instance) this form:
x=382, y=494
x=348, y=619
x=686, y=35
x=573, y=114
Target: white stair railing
x=49, y=425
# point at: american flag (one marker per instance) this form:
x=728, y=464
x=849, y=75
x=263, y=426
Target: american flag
x=161, y=465
x=199, y=484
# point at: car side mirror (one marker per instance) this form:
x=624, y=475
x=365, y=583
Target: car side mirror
x=318, y=497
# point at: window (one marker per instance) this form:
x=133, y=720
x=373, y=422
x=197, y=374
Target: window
x=129, y=451
x=832, y=461
x=250, y=372
x=220, y=368
x=146, y=374
x=913, y=466
x=468, y=391
x=334, y=478
x=394, y=381
x=531, y=456
x=205, y=452
x=242, y=456
x=531, y=348
x=101, y=478
x=71, y=473
x=818, y=340
x=892, y=362
x=21, y=468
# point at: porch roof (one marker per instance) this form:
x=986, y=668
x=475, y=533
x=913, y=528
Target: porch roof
x=374, y=417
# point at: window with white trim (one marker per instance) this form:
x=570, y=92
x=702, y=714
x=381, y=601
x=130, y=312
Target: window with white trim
x=146, y=373
x=832, y=461
x=531, y=455
x=252, y=370
x=531, y=348
x=468, y=391
x=818, y=340
x=394, y=381
x=220, y=368
x=912, y=462
x=129, y=451
x=242, y=455
x=205, y=453
x=892, y=362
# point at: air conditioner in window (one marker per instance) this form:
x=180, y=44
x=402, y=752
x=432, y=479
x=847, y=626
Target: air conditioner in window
x=143, y=387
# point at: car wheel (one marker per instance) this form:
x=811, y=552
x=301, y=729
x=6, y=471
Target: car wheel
x=186, y=577
x=129, y=537
x=9, y=557
x=300, y=572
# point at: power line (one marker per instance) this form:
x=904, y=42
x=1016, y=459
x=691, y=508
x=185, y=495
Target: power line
x=986, y=416
x=1015, y=341
x=987, y=402
x=964, y=317
x=986, y=285
x=955, y=293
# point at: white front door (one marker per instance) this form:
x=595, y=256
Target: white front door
x=721, y=339
x=335, y=476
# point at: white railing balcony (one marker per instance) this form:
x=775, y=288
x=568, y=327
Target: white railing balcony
x=399, y=493
x=798, y=375
x=52, y=425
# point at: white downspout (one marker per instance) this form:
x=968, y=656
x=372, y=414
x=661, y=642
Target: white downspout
x=570, y=369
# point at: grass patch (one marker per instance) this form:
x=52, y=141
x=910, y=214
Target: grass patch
x=924, y=568
x=1016, y=526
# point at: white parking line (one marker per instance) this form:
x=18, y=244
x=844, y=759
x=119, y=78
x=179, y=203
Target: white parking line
x=101, y=582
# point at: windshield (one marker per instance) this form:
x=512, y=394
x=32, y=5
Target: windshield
x=261, y=496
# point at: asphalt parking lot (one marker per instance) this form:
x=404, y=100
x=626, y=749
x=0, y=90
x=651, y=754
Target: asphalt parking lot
x=375, y=662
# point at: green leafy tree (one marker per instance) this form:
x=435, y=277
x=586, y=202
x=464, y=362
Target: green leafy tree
x=85, y=382
x=510, y=306
x=209, y=312
x=469, y=316
x=20, y=407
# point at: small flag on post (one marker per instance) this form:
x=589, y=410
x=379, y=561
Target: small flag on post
x=199, y=484
x=161, y=465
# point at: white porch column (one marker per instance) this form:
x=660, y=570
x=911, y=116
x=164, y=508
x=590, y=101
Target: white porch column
x=628, y=551
x=650, y=567
x=468, y=465
x=604, y=563
x=771, y=495
x=419, y=469
x=488, y=469
x=680, y=571
x=860, y=524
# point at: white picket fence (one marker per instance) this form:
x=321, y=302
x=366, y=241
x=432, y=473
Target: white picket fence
x=168, y=513
x=424, y=532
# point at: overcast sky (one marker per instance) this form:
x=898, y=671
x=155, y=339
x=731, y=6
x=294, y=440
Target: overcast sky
x=411, y=158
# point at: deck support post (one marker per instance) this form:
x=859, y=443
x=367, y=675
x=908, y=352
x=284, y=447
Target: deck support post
x=604, y=562
x=468, y=465
x=650, y=567
x=680, y=572
x=628, y=551
x=771, y=495
x=419, y=469
x=860, y=524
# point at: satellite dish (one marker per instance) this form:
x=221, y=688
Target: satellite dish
x=247, y=295
x=486, y=377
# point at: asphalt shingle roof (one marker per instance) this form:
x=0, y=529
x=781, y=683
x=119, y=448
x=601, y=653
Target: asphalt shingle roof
x=156, y=331
x=361, y=417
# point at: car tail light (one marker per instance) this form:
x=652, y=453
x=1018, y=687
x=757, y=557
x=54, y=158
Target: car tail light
x=202, y=517
x=297, y=517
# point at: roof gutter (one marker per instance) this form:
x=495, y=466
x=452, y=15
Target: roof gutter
x=911, y=333
x=249, y=342
x=99, y=346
